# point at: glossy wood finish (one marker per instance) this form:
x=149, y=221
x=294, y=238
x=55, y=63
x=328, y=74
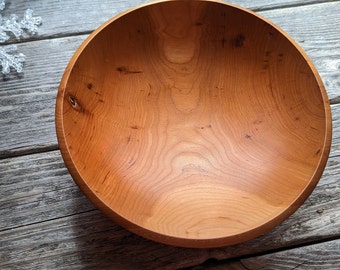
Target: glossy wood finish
x=193, y=123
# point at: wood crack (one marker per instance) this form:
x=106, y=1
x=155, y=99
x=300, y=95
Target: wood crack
x=299, y=4
x=25, y=152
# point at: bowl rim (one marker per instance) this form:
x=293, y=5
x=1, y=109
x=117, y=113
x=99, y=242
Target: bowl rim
x=178, y=241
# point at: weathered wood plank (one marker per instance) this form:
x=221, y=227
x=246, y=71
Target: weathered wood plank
x=27, y=103
x=66, y=18
x=80, y=242
x=335, y=149
x=47, y=223
x=61, y=18
x=324, y=255
x=274, y=4
x=36, y=188
x=320, y=256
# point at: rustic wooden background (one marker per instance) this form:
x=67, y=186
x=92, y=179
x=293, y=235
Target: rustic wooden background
x=47, y=223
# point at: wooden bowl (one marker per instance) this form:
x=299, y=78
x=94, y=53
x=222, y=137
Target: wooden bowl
x=193, y=123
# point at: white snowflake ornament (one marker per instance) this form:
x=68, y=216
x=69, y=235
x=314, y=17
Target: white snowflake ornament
x=8, y=59
x=10, y=25
x=29, y=22
x=3, y=35
x=2, y=4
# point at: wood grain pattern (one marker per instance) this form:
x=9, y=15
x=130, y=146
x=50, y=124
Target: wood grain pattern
x=325, y=255
x=33, y=183
x=66, y=18
x=27, y=103
x=170, y=126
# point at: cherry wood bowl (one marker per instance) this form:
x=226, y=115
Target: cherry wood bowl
x=193, y=123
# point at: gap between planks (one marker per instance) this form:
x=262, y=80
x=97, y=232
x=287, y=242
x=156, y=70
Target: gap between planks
x=26, y=152
x=46, y=37
x=210, y=262
x=298, y=4
x=49, y=220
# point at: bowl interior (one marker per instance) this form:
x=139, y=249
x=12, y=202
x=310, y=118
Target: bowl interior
x=193, y=123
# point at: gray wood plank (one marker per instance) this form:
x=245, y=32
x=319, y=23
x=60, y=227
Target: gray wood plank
x=36, y=188
x=27, y=102
x=61, y=18
x=335, y=149
x=320, y=256
x=261, y=5
x=46, y=222
x=82, y=242
x=324, y=255
x=65, y=18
